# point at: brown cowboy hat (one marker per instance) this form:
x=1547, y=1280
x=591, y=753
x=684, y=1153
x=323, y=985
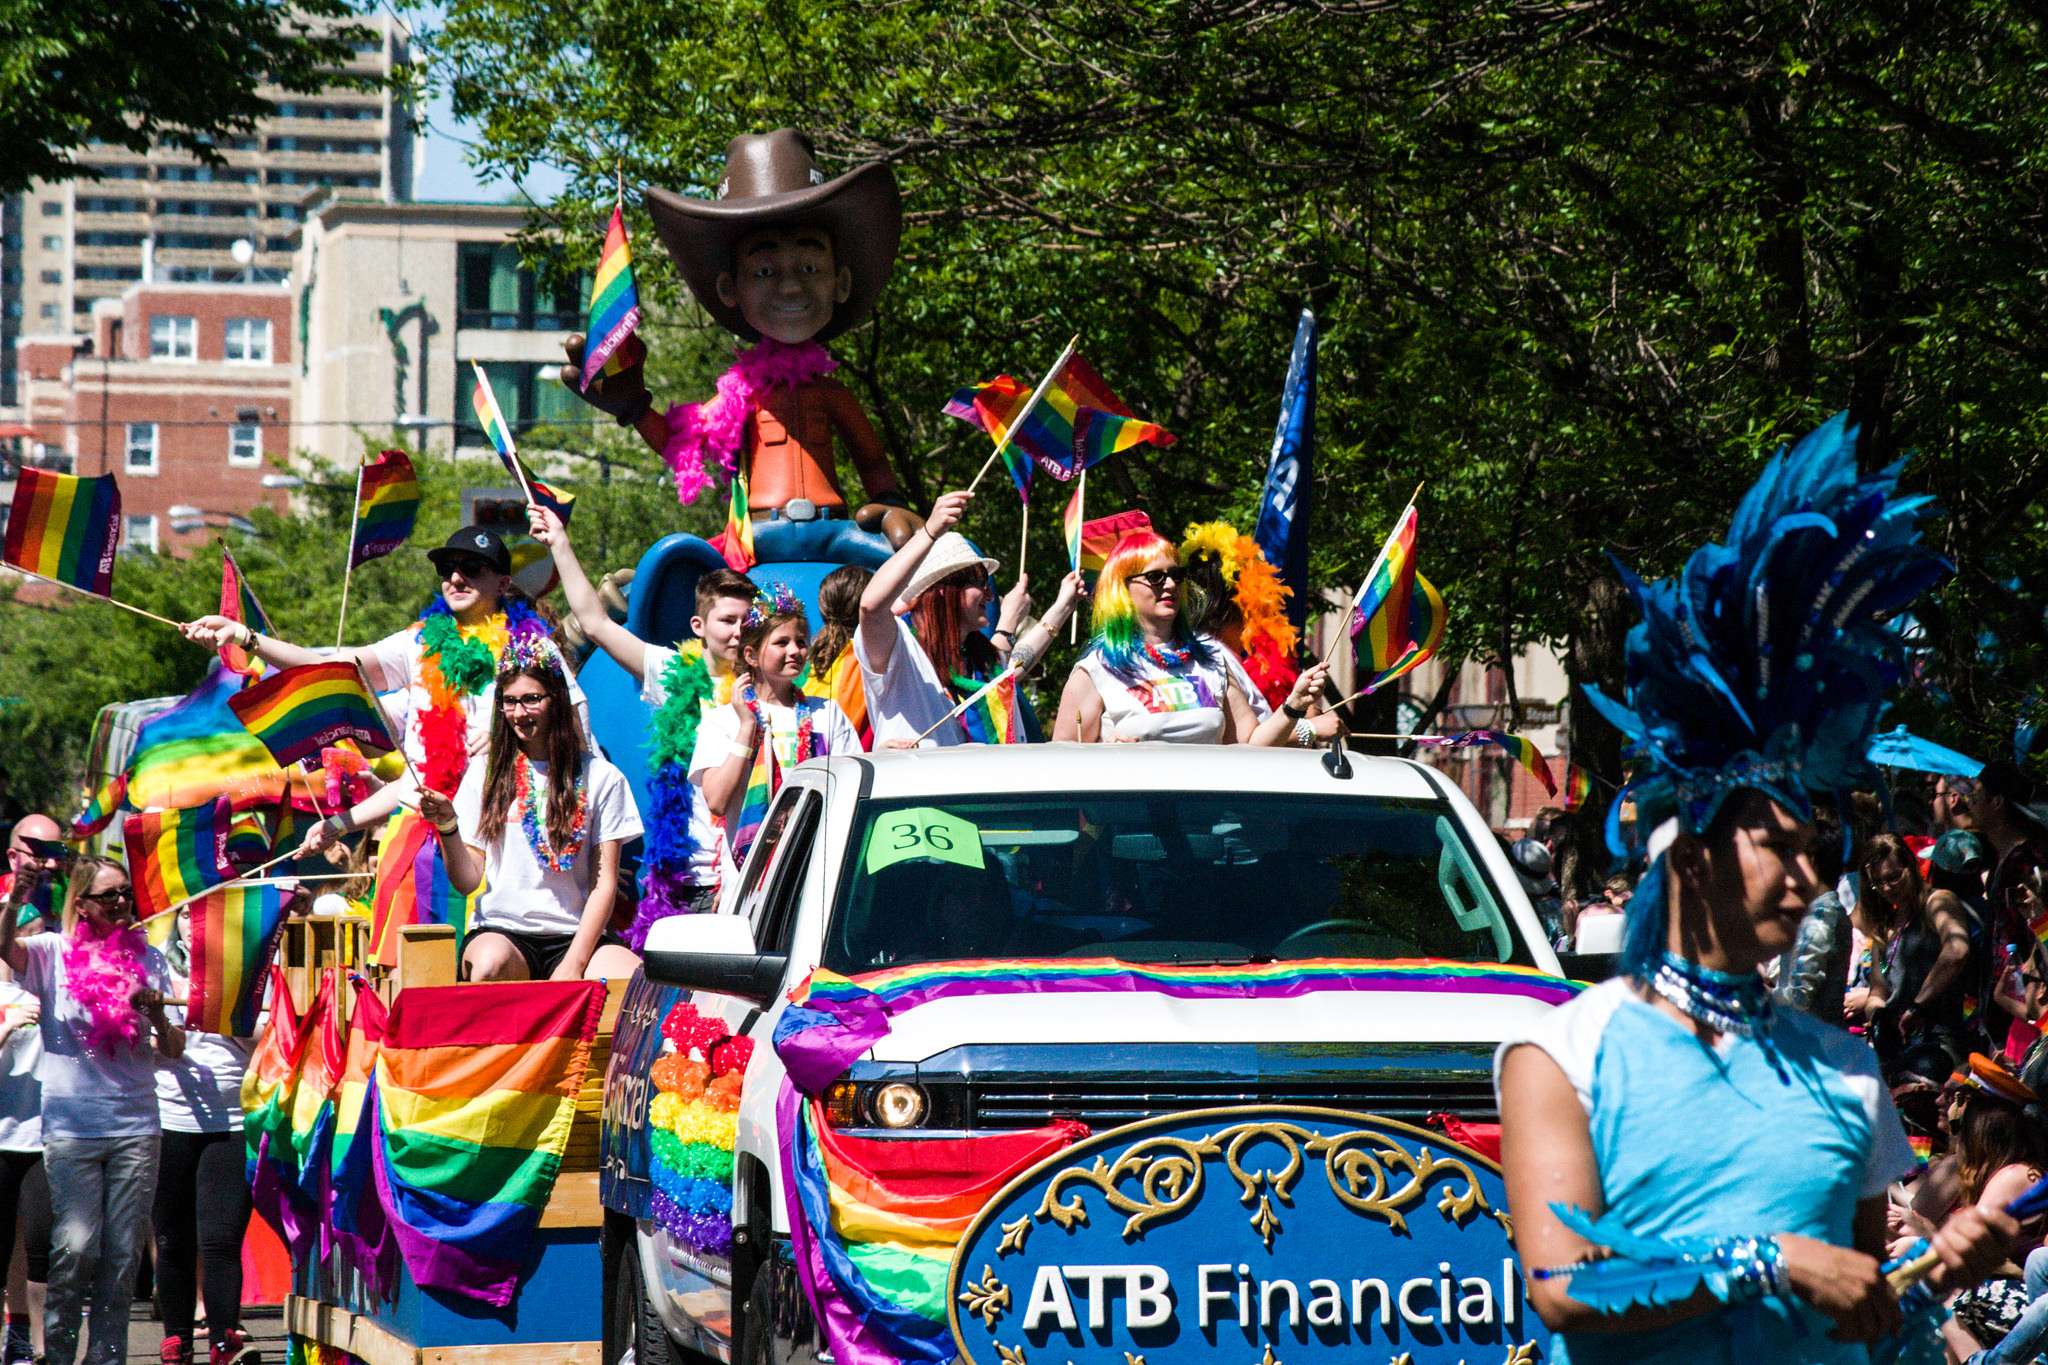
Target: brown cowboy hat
x=771, y=178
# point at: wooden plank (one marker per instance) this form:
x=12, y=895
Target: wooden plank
x=426, y=955
x=345, y=1331
x=573, y=1203
x=523, y=1353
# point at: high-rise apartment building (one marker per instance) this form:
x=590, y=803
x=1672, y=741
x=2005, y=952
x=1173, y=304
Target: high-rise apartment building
x=164, y=217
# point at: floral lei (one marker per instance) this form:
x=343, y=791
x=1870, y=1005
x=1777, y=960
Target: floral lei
x=665, y=885
x=102, y=972
x=713, y=430
x=526, y=795
x=457, y=662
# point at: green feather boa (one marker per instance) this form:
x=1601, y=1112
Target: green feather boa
x=468, y=665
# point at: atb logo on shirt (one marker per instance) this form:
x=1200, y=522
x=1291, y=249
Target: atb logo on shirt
x=1161, y=695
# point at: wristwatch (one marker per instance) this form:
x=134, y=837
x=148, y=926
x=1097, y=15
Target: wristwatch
x=1291, y=711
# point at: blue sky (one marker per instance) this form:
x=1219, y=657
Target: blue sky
x=444, y=171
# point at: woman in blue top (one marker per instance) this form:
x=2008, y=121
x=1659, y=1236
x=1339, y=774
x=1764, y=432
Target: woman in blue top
x=1672, y=1110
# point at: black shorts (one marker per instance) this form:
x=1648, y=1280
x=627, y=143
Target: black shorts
x=543, y=952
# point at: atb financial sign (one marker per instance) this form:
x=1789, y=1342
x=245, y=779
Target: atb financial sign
x=1263, y=1236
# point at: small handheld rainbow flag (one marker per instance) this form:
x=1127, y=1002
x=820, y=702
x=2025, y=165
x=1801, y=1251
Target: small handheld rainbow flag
x=238, y=603
x=173, y=854
x=100, y=811
x=484, y=402
x=233, y=933
x=762, y=780
x=1048, y=434
x=1099, y=537
x=65, y=528
x=296, y=711
x=387, y=505
x=1578, y=786
x=1521, y=750
x=1397, y=619
x=1099, y=435
x=1072, y=526
x=994, y=715
x=248, y=841
x=614, y=300
x=737, y=544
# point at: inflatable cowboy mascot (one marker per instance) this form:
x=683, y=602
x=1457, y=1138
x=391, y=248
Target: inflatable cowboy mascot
x=787, y=260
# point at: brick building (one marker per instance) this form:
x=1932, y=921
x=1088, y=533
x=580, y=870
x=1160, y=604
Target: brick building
x=184, y=391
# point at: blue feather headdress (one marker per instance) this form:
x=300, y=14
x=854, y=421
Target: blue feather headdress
x=1765, y=663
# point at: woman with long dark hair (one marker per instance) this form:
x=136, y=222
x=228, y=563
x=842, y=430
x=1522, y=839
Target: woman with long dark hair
x=540, y=822
x=1918, y=1009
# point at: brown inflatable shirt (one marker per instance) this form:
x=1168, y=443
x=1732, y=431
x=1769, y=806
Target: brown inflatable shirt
x=791, y=447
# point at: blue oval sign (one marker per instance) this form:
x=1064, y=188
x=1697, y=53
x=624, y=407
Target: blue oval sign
x=1272, y=1235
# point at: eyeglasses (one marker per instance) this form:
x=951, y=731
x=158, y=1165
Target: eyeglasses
x=468, y=568
x=1158, y=579
x=116, y=899
x=513, y=706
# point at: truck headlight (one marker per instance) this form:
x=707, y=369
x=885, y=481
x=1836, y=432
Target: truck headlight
x=898, y=1104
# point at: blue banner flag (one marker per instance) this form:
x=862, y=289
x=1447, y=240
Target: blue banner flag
x=1285, y=507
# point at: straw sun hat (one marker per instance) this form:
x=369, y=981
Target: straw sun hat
x=951, y=553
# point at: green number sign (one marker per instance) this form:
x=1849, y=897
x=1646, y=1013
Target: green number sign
x=923, y=832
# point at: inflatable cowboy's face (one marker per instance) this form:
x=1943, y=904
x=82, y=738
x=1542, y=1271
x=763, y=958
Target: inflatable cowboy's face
x=786, y=282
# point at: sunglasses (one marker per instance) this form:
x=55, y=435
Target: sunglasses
x=468, y=568
x=1158, y=579
x=119, y=898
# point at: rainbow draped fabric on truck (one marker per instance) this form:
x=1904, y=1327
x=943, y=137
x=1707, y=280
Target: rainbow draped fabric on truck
x=288, y=1110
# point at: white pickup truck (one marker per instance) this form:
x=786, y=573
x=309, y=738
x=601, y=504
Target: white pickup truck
x=1148, y=854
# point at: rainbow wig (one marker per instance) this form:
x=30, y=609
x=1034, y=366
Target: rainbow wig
x=1116, y=636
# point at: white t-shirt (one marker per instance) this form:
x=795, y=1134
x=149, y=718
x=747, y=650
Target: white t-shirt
x=1179, y=708
x=201, y=1092
x=397, y=657
x=704, y=835
x=832, y=733
x=909, y=697
x=520, y=892
x=1239, y=674
x=21, y=1082
x=86, y=1094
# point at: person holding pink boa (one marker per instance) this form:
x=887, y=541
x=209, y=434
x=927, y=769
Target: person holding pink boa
x=102, y=990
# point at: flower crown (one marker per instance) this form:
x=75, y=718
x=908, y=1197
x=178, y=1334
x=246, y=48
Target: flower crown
x=531, y=651
x=769, y=603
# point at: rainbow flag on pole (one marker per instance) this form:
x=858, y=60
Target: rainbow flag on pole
x=1099, y=537
x=1521, y=750
x=100, y=811
x=387, y=505
x=614, y=300
x=411, y=886
x=995, y=716
x=173, y=854
x=1071, y=525
x=484, y=402
x=762, y=780
x=1397, y=619
x=65, y=528
x=1578, y=786
x=298, y=711
x=1048, y=435
x=476, y=1092
x=1099, y=435
x=737, y=544
x=198, y=749
x=238, y=603
x=234, y=931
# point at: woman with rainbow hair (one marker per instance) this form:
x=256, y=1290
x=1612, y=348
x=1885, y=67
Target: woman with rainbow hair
x=1148, y=675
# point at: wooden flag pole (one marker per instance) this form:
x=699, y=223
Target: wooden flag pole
x=1025, y=411
x=1023, y=538
x=1074, y=621
x=243, y=880
x=972, y=698
x=518, y=467
x=1344, y=628
x=97, y=597
x=355, y=519
x=398, y=741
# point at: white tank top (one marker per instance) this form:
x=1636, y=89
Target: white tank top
x=1184, y=706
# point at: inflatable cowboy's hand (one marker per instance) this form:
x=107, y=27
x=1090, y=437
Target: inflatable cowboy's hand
x=622, y=393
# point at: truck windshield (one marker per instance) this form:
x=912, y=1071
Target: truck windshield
x=1165, y=877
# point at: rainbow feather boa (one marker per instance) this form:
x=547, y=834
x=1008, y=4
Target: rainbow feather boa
x=665, y=884
x=693, y=1122
x=699, y=433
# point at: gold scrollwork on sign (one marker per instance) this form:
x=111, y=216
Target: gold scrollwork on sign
x=987, y=1298
x=1368, y=1171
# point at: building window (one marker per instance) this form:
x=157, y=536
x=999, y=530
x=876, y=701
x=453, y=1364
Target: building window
x=53, y=277
x=245, y=444
x=53, y=243
x=48, y=310
x=53, y=208
x=248, y=340
x=173, y=337
x=140, y=457
x=529, y=393
x=138, y=534
x=497, y=292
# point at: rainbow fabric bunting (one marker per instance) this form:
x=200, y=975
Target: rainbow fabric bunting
x=387, y=505
x=238, y=603
x=1099, y=537
x=476, y=1092
x=100, y=811
x=1397, y=619
x=296, y=712
x=1099, y=435
x=355, y=1218
x=1071, y=524
x=614, y=300
x=762, y=780
x=484, y=402
x=270, y=1086
x=65, y=528
x=1578, y=786
x=995, y=716
x=1521, y=750
x=737, y=544
x=234, y=931
x=1047, y=436
x=173, y=854
x=411, y=886
x=198, y=750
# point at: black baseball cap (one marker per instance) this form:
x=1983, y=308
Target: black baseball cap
x=473, y=542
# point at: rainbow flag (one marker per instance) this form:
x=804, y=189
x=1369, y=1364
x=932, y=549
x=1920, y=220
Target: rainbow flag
x=1047, y=436
x=248, y=841
x=173, y=854
x=198, y=750
x=355, y=1218
x=476, y=1093
x=762, y=780
x=1923, y=1149
x=238, y=603
x=297, y=711
x=100, y=811
x=411, y=886
x=270, y=1085
x=614, y=299
x=737, y=544
x=1071, y=525
x=1099, y=537
x=995, y=716
x=484, y=403
x=234, y=931
x=1099, y=435
x=1397, y=619
x=1521, y=750
x=842, y=684
x=387, y=505
x=65, y=528
x=1578, y=786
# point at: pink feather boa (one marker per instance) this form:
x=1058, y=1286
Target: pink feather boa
x=102, y=972
x=700, y=432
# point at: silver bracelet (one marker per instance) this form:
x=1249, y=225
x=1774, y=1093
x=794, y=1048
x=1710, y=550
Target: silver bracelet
x=1304, y=733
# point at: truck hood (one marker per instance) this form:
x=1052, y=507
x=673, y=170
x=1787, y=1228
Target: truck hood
x=1117, y=1017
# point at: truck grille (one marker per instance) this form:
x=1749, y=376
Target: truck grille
x=1107, y=1105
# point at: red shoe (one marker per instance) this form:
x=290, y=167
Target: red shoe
x=233, y=1348
x=176, y=1351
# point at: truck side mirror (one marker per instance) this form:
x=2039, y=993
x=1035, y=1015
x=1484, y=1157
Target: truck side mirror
x=713, y=953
